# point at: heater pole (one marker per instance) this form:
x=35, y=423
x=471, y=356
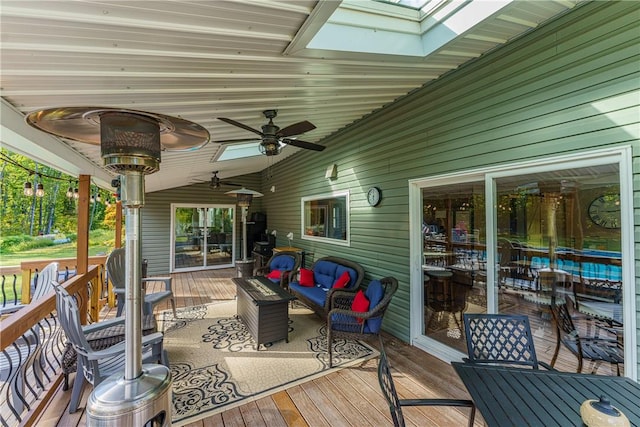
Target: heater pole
x=244, y=232
x=133, y=199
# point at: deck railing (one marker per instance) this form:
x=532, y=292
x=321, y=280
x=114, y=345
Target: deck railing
x=16, y=285
x=32, y=343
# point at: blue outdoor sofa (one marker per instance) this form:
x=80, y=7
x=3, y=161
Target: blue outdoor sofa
x=326, y=271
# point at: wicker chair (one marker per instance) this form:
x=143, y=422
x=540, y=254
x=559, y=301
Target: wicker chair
x=345, y=323
x=285, y=262
x=503, y=339
x=395, y=404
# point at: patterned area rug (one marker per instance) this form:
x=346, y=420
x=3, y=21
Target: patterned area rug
x=216, y=364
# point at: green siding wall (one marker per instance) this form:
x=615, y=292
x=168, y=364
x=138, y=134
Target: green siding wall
x=571, y=85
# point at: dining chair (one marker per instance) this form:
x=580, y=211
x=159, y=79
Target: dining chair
x=396, y=404
x=96, y=365
x=116, y=272
x=503, y=339
x=582, y=342
x=346, y=321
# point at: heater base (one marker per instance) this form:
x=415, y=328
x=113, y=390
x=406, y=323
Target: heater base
x=143, y=401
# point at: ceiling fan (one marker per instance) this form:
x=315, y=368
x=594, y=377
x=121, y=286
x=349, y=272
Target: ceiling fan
x=272, y=137
x=216, y=182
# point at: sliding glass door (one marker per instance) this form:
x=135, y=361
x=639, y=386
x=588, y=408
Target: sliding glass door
x=203, y=236
x=516, y=239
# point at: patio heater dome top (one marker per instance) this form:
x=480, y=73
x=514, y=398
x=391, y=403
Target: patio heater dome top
x=129, y=139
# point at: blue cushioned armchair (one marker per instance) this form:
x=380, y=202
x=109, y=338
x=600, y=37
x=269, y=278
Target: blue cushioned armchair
x=345, y=323
x=285, y=262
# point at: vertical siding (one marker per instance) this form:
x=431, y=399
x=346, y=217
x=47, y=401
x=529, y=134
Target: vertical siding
x=156, y=217
x=571, y=85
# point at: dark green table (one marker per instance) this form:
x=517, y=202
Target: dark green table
x=528, y=397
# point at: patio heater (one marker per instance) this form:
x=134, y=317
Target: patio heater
x=244, y=198
x=130, y=142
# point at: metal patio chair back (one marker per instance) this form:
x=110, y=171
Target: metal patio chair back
x=500, y=339
x=581, y=343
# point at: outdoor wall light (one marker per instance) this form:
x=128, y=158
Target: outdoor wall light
x=331, y=172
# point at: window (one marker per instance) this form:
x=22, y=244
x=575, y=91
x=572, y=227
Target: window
x=326, y=218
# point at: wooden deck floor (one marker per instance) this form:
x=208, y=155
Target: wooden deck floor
x=349, y=397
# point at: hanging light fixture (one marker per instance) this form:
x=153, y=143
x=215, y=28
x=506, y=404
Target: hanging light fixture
x=28, y=190
x=70, y=191
x=98, y=198
x=39, y=190
x=76, y=194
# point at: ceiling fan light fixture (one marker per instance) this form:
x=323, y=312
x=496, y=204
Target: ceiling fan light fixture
x=270, y=148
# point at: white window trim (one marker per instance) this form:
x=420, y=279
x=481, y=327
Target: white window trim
x=172, y=259
x=347, y=241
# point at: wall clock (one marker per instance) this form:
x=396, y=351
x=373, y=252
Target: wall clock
x=374, y=196
x=605, y=211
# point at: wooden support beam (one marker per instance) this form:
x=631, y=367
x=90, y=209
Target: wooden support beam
x=84, y=188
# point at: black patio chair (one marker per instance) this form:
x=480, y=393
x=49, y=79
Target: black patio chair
x=503, y=339
x=580, y=343
x=395, y=404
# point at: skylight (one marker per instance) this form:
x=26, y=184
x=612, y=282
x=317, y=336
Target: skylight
x=413, y=28
x=239, y=151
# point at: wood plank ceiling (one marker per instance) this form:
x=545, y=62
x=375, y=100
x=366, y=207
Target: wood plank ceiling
x=205, y=59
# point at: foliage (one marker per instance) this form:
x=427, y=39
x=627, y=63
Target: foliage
x=32, y=215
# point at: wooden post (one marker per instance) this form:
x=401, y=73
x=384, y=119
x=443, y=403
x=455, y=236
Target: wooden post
x=82, y=254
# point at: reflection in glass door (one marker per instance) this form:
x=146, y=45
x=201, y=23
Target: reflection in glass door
x=202, y=236
x=454, y=259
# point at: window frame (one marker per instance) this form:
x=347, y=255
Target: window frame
x=329, y=217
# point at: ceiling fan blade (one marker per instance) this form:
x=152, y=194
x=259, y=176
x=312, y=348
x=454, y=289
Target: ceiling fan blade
x=295, y=129
x=233, y=184
x=240, y=125
x=303, y=144
x=231, y=141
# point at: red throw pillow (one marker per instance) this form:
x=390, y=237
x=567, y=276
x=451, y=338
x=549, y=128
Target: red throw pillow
x=360, y=304
x=306, y=277
x=342, y=281
x=275, y=274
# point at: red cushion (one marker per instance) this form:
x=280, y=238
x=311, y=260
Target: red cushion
x=360, y=304
x=275, y=274
x=342, y=281
x=306, y=277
